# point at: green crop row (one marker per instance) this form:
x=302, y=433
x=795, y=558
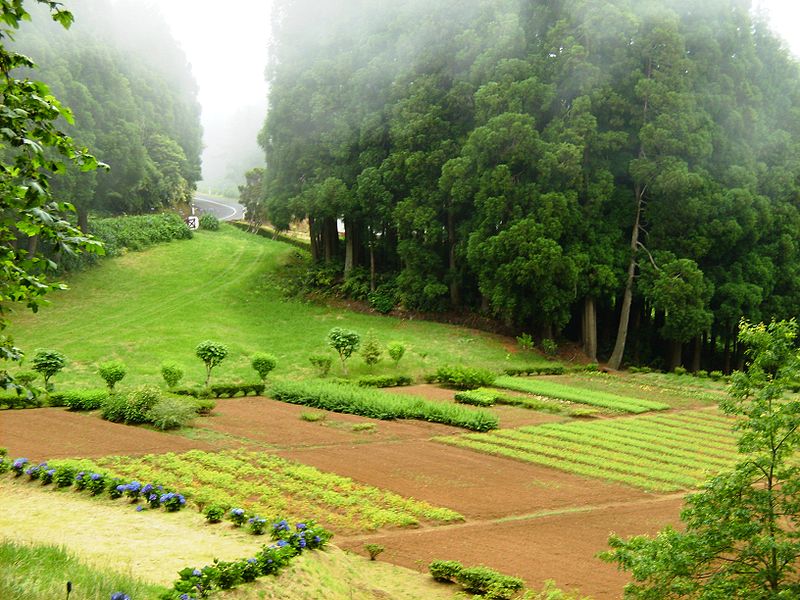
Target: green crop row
x=574, y=394
x=378, y=404
x=655, y=452
x=271, y=486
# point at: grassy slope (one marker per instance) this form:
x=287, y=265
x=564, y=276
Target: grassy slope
x=148, y=307
x=155, y=546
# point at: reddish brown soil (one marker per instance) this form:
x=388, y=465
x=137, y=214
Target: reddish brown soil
x=521, y=519
x=47, y=433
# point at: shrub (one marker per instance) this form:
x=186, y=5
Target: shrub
x=209, y=222
x=322, y=363
x=374, y=550
x=26, y=378
x=96, y=484
x=716, y=375
x=257, y=525
x=345, y=342
x=215, y=513
x=483, y=580
x=535, y=370
x=229, y=390
x=312, y=417
x=679, y=371
x=238, y=516
x=171, y=413
x=263, y=363
x=525, y=341
x=479, y=397
x=383, y=299
x=112, y=372
x=212, y=354
x=113, y=409
x=396, y=351
x=701, y=374
x=137, y=232
x=203, y=406
x=172, y=373
x=18, y=466
x=381, y=381
x=463, y=378
x=5, y=464
x=371, y=351
x=549, y=347
x=48, y=363
x=445, y=570
x=172, y=502
x=80, y=399
x=140, y=402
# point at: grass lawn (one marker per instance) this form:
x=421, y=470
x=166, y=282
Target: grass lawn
x=147, y=307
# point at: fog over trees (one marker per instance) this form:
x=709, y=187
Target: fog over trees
x=623, y=173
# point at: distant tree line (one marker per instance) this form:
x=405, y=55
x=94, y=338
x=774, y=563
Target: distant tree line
x=134, y=104
x=622, y=172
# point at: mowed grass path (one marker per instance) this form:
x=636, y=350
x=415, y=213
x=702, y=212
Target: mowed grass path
x=661, y=452
x=147, y=307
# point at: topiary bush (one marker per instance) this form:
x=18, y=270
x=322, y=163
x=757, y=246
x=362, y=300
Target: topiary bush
x=212, y=354
x=80, y=399
x=371, y=351
x=396, y=351
x=345, y=342
x=112, y=372
x=172, y=373
x=263, y=364
x=209, y=222
x=171, y=413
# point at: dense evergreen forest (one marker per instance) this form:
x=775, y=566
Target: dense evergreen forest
x=620, y=172
x=133, y=98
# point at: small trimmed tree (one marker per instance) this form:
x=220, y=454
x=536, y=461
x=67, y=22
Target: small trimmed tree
x=48, y=363
x=371, y=351
x=345, y=342
x=263, y=363
x=212, y=354
x=396, y=351
x=112, y=372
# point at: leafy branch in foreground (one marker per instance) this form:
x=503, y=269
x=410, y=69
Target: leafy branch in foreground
x=741, y=537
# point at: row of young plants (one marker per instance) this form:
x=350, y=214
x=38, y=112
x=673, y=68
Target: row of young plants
x=489, y=397
x=552, y=389
x=195, y=583
x=378, y=404
x=264, y=484
x=97, y=483
x=658, y=452
x=480, y=580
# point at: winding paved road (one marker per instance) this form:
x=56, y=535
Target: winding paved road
x=224, y=209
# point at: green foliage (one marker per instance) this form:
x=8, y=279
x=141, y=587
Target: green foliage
x=140, y=402
x=679, y=371
x=381, y=381
x=114, y=408
x=203, y=406
x=138, y=232
x=739, y=537
x=112, y=372
x=172, y=373
x=445, y=570
x=48, y=363
x=345, y=342
x=215, y=513
x=462, y=378
x=371, y=351
x=212, y=354
x=209, y=222
x=579, y=395
x=525, y=342
x=396, y=351
x=384, y=298
x=549, y=347
x=322, y=363
x=171, y=413
x=263, y=364
x=478, y=397
x=373, y=550
x=81, y=399
x=229, y=390
x=378, y=404
x=535, y=370
x=312, y=417
x=488, y=582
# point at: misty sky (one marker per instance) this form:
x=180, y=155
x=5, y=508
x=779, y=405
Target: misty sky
x=227, y=47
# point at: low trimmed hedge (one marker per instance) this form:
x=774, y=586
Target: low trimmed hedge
x=377, y=404
x=14, y=400
x=461, y=378
x=80, y=399
x=222, y=390
x=382, y=381
x=535, y=370
x=479, y=397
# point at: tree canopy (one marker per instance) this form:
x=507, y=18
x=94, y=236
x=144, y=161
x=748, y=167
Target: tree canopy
x=533, y=159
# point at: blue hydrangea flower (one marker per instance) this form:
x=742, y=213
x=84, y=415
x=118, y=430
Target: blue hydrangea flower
x=252, y=561
x=282, y=543
x=197, y=573
x=317, y=539
x=152, y=497
x=95, y=476
x=139, y=508
x=20, y=462
x=237, y=511
x=147, y=489
x=120, y=488
x=300, y=526
x=120, y=596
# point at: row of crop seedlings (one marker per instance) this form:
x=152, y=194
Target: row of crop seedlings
x=579, y=395
x=662, y=453
x=269, y=484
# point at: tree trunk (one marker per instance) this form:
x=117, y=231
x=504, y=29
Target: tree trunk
x=675, y=358
x=33, y=244
x=697, y=357
x=371, y=261
x=349, y=235
x=625, y=312
x=726, y=362
x=455, y=292
x=83, y=219
x=590, y=328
